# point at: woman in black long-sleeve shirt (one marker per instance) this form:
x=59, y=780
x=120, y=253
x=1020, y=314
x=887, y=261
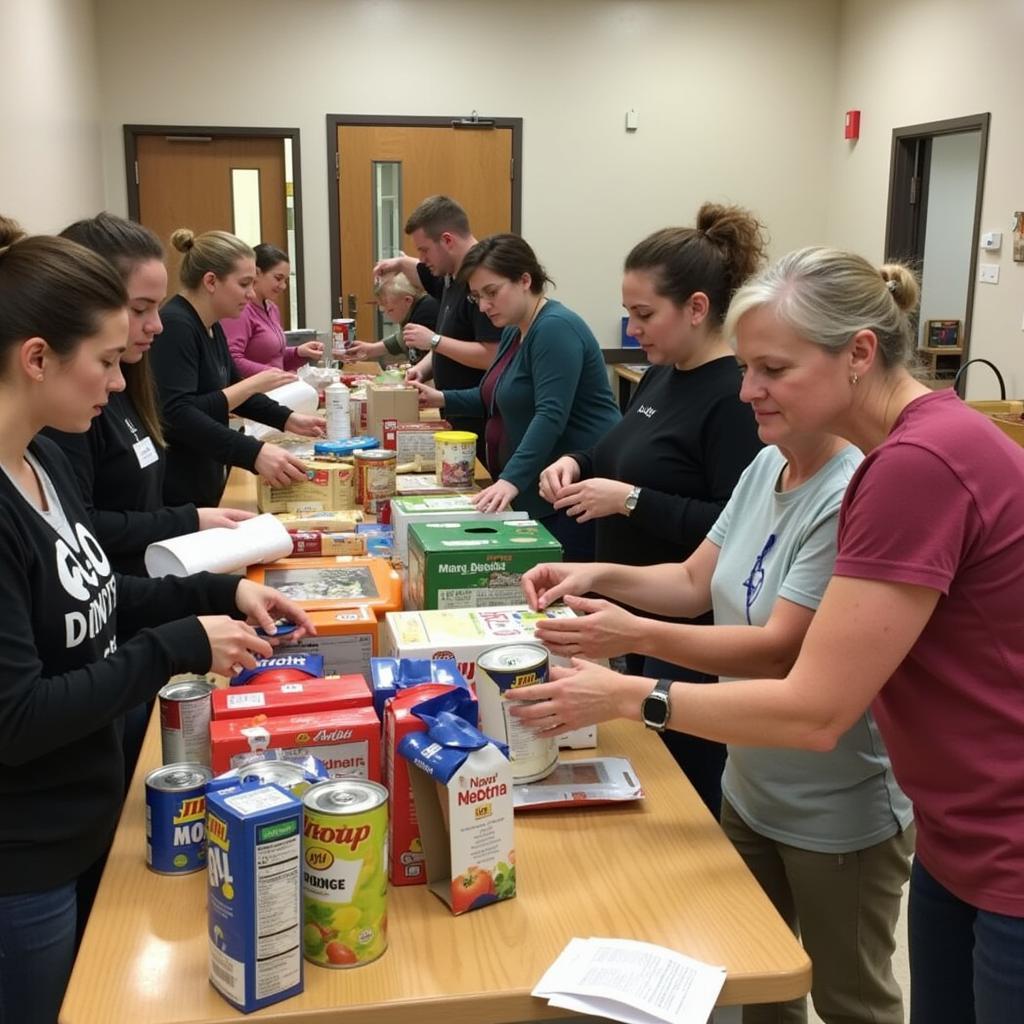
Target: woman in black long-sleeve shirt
x=64, y=679
x=657, y=481
x=199, y=385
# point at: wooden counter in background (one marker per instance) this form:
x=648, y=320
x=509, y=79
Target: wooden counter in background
x=658, y=870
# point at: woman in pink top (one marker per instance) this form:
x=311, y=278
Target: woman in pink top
x=923, y=619
x=255, y=339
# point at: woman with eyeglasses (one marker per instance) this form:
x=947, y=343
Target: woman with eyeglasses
x=546, y=392
x=921, y=620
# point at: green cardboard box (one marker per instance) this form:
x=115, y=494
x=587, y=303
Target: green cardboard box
x=474, y=564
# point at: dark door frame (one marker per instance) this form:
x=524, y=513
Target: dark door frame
x=909, y=166
x=131, y=174
x=334, y=121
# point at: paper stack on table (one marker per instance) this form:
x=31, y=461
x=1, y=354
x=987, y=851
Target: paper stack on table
x=634, y=982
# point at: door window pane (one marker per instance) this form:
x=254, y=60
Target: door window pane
x=245, y=203
x=387, y=219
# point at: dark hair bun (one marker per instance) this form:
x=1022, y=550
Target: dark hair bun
x=738, y=234
x=10, y=232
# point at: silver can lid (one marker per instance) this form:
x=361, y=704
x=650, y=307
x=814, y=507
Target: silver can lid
x=344, y=796
x=173, y=778
x=286, y=773
x=187, y=689
x=513, y=658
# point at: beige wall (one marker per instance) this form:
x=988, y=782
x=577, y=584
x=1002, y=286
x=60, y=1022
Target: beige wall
x=735, y=101
x=50, y=167
x=927, y=60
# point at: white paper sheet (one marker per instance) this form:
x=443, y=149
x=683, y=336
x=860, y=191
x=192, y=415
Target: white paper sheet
x=261, y=539
x=633, y=982
x=297, y=395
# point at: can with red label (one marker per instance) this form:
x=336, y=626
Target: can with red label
x=185, y=720
x=343, y=331
x=375, y=478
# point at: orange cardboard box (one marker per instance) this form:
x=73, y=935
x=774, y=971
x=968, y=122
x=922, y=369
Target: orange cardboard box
x=346, y=638
x=341, y=581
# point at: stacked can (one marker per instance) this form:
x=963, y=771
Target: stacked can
x=185, y=709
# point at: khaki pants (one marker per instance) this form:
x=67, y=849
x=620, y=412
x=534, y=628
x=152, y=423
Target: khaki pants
x=845, y=908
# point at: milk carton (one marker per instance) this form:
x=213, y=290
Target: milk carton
x=462, y=786
x=254, y=907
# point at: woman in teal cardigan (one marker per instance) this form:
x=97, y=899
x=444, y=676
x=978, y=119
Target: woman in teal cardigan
x=545, y=394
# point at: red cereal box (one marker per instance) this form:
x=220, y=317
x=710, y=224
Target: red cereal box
x=292, y=698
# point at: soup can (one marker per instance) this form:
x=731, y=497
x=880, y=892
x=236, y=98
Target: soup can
x=344, y=872
x=512, y=667
x=176, y=818
x=185, y=709
x=375, y=478
x=454, y=458
x=337, y=401
x=343, y=331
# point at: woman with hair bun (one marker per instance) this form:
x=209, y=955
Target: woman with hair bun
x=546, y=392
x=256, y=339
x=199, y=385
x=921, y=620
x=656, y=483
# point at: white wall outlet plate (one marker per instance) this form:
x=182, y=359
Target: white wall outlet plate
x=988, y=273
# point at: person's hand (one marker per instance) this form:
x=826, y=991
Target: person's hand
x=417, y=336
x=278, y=467
x=599, y=630
x=311, y=350
x=389, y=266
x=417, y=374
x=495, y=498
x=594, y=498
x=585, y=694
x=363, y=350
x=234, y=645
x=263, y=605
x=266, y=380
x=306, y=424
x=430, y=398
x=558, y=475
x=211, y=518
x=546, y=583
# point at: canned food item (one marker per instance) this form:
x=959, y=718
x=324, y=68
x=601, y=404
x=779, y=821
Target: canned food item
x=343, y=330
x=344, y=872
x=185, y=720
x=511, y=667
x=375, y=477
x=454, y=458
x=176, y=818
x=286, y=774
x=339, y=418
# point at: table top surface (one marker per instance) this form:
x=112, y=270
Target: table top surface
x=658, y=870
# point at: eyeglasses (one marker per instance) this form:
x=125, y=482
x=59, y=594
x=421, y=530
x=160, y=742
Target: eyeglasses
x=755, y=581
x=486, y=294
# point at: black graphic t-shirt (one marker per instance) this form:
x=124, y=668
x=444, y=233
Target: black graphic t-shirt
x=64, y=682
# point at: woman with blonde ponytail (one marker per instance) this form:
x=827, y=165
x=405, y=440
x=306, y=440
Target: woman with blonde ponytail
x=921, y=619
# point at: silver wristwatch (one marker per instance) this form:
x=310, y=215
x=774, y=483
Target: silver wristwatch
x=631, y=499
x=435, y=340
x=656, y=709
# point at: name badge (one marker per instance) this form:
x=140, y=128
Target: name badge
x=145, y=452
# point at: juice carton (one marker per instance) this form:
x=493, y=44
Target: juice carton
x=462, y=786
x=291, y=698
x=472, y=564
x=347, y=741
x=346, y=639
x=463, y=634
x=445, y=508
x=405, y=851
x=390, y=675
x=254, y=906
x=328, y=487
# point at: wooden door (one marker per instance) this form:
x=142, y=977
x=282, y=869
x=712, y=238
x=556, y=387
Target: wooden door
x=186, y=182
x=473, y=167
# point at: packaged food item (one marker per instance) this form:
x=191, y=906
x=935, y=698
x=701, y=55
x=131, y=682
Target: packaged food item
x=375, y=478
x=313, y=544
x=445, y=508
x=328, y=487
x=379, y=539
x=341, y=581
x=405, y=848
x=344, y=874
x=389, y=676
x=474, y=564
x=291, y=775
x=584, y=783
x=293, y=667
x=343, y=521
x=413, y=440
x=176, y=818
x=422, y=483
x=346, y=639
x=462, y=785
x=344, y=448
x=291, y=698
x=515, y=667
x=347, y=741
x=395, y=401
x=185, y=720
x=254, y=909
x=455, y=459
x=336, y=406
x=343, y=331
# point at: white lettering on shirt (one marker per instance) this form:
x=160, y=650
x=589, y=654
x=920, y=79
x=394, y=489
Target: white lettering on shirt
x=647, y=410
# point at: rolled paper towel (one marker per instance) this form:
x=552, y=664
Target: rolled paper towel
x=297, y=395
x=262, y=539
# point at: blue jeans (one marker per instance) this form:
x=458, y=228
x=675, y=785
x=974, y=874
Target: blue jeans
x=966, y=964
x=37, y=948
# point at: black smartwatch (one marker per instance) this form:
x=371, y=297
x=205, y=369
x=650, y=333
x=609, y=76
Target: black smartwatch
x=656, y=708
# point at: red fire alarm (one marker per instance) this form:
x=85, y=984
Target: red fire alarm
x=852, y=128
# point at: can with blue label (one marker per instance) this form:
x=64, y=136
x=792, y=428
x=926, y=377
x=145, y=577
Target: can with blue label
x=176, y=818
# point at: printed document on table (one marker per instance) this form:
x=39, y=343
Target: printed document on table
x=633, y=982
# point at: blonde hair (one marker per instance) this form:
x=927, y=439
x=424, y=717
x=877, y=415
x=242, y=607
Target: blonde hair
x=828, y=295
x=396, y=284
x=214, y=252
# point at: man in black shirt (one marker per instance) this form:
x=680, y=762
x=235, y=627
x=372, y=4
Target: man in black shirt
x=464, y=342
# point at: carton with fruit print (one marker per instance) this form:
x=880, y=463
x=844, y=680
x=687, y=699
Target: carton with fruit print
x=462, y=786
